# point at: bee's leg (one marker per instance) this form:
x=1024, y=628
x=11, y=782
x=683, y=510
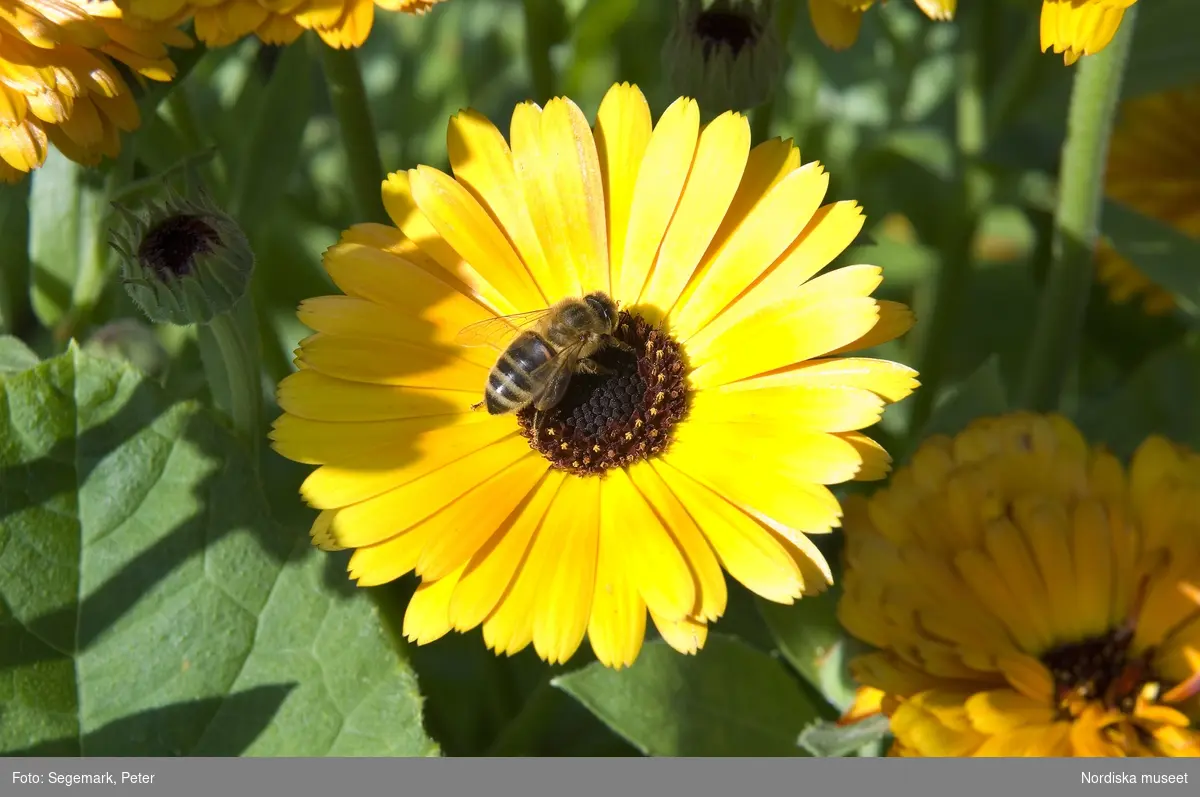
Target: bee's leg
x=589, y=366
x=619, y=344
x=537, y=423
x=477, y=405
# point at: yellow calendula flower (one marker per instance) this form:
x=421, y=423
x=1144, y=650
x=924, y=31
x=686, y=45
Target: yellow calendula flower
x=220, y=23
x=1080, y=27
x=702, y=441
x=1029, y=596
x=61, y=84
x=1153, y=168
x=837, y=22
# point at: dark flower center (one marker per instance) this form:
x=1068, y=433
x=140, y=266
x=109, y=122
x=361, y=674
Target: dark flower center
x=612, y=419
x=170, y=247
x=1100, y=668
x=721, y=27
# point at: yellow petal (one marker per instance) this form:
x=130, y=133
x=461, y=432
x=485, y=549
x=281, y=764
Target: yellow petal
x=836, y=25
x=354, y=26
x=1000, y=710
x=392, y=363
x=685, y=635
x=711, y=592
x=876, y=461
x=654, y=562
x=831, y=229
x=492, y=500
x=746, y=550
x=366, y=443
x=563, y=563
x=569, y=153
x=312, y=395
x=751, y=248
x=350, y=317
x=376, y=519
x=892, y=381
x=800, y=453
x=851, y=281
x=427, y=617
x=319, y=533
x=467, y=227
x=660, y=180
x=780, y=336
x=420, y=453
x=716, y=172
x=623, y=129
x=824, y=408
x=494, y=567
x=894, y=320
x=483, y=163
x=400, y=205
x=537, y=185
x=765, y=487
x=617, y=625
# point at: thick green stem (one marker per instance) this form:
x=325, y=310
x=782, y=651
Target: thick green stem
x=537, y=48
x=349, y=98
x=95, y=265
x=230, y=348
x=945, y=297
x=1059, y=326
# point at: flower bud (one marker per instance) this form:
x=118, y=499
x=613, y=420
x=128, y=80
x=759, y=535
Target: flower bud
x=724, y=53
x=184, y=260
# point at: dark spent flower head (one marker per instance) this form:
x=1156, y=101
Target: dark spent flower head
x=724, y=53
x=719, y=27
x=184, y=260
x=170, y=247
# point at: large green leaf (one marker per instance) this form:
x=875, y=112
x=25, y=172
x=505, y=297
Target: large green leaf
x=811, y=639
x=150, y=604
x=1162, y=253
x=1159, y=398
x=728, y=700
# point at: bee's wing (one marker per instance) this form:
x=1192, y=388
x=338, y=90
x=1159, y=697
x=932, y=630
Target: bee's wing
x=496, y=331
x=554, y=375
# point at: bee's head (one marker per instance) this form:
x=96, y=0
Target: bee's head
x=604, y=306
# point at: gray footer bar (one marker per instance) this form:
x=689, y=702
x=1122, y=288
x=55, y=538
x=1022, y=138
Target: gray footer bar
x=602, y=777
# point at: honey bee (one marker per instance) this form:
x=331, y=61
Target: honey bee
x=551, y=346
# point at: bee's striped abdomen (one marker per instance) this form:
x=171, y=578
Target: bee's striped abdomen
x=509, y=387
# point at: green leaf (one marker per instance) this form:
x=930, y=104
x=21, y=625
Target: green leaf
x=827, y=739
x=67, y=207
x=148, y=603
x=811, y=639
x=1158, y=398
x=14, y=255
x=1165, y=255
x=980, y=394
x=15, y=356
x=1163, y=55
x=728, y=700
x=272, y=145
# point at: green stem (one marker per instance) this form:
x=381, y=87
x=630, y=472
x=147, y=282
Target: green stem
x=537, y=48
x=1059, y=328
x=970, y=197
x=95, y=266
x=230, y=347
x=764, y=115
x=349, y=98
x=182, y=119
